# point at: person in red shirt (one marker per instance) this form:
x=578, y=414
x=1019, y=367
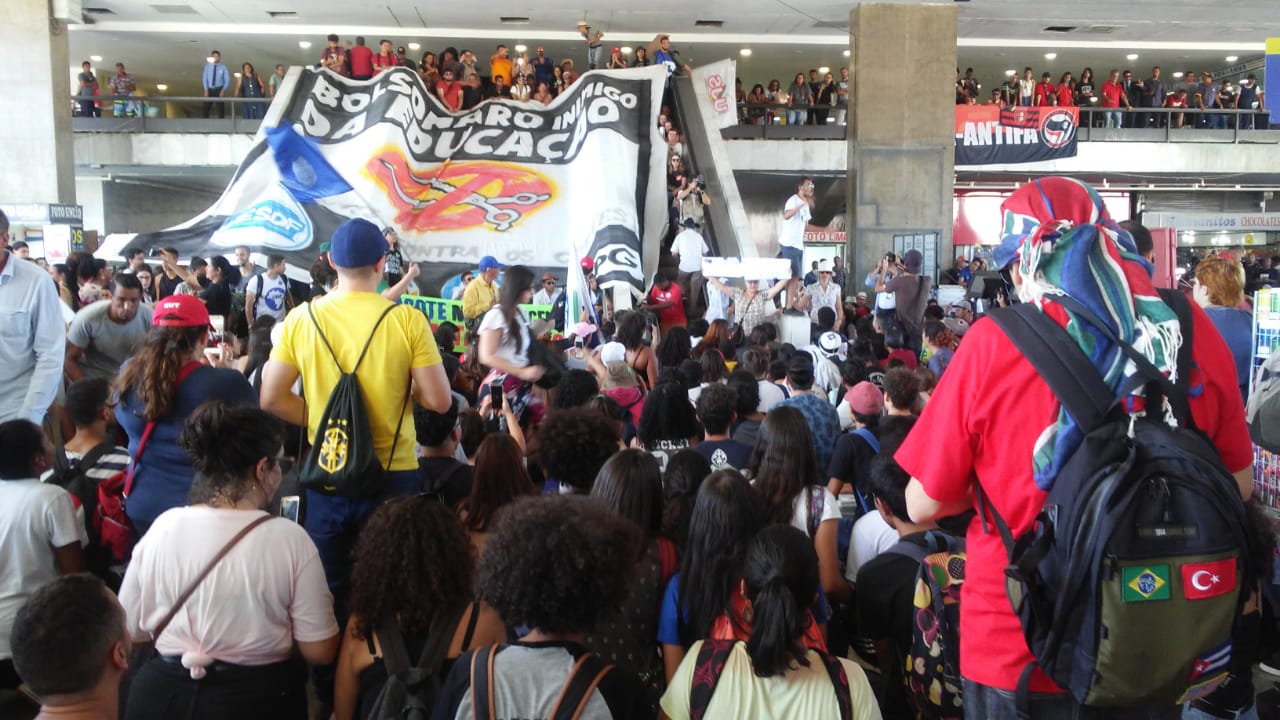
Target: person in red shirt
x=666, y=299
x=449, y=90
x=1046, y=91
x=361, y=59
x=1002, y=427
x=1066, y=91
x=1113, y=96
x=1177, y=100
x=334, y=57
x=386, y=57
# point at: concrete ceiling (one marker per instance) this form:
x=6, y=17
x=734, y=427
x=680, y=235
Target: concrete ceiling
x=166, y=41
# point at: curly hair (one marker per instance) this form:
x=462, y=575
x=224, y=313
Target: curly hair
x=557, y=564
x=499, y=477
x=572, y=445
x=152, y=375
x=675, y=347
x=226, y=443
x=667, y=415
x=412, y=561
x=630, y=330
x=575, y=389
x=903, y=388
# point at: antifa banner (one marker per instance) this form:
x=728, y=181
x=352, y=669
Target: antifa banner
x=531, y=184
x=987, y=135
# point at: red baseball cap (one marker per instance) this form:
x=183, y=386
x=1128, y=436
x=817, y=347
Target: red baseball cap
x=180, y=311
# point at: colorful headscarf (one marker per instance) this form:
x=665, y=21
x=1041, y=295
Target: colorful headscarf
x=1065, y=243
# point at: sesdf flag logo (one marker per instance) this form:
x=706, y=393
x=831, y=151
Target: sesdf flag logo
x=277, y=223
x=460, y=195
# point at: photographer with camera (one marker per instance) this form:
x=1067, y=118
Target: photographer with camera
x=889, y=267
x=691, y=198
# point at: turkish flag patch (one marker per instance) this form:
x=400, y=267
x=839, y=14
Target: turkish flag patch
x=1208, y=579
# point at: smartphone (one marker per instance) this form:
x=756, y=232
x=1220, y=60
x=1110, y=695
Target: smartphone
x=495, y=396
x=289, y=507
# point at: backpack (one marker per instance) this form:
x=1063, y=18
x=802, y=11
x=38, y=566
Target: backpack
x=343, y=460
x=1263, y=410
x=72, y=476
x=864, y=503
x=410, y=691
x=712, y=657
x=931, y=670
x=587, y=673
x=1129, y=582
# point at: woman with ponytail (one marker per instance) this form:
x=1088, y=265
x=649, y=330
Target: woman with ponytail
x=157, y=391
x=223, y=590
x=774, y=673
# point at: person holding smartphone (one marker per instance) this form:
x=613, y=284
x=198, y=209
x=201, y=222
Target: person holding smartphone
x=504, y=345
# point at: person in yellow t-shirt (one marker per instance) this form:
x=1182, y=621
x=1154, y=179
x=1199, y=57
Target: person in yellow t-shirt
x=500, y=66
x=482, y=293
x=766, y=678
x=402, y=358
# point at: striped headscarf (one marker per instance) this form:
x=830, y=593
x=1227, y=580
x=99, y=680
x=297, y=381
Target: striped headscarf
x=1064, y=242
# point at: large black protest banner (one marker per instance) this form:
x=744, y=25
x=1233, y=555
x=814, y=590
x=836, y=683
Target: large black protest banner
x=987, y=135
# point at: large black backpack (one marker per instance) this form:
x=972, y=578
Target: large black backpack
x=410, y=691
x=1129, y=583
x=343, y=460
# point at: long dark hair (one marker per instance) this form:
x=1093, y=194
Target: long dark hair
x=412, y=562
x=515, y=282
x=259, y=348
x=782, y=463
x=499, y=478
x=686, y=470
x=152, y=374
x=725, y=517
x=225, y=444
x=667, y=415
x=630, y=483
x=781, y=575
x=630, y=329
x=675, y=347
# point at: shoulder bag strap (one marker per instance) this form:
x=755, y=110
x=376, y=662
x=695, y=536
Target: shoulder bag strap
x=91, y=458
x=471, y=625
x=186, y=594
x=712, y=657
x=840, y=683
x=482, y=704
x=129, y=477
x=311, y=311
x=582, y=681
x=439, y=637
x=395, y=656
x=908, y=549
x=870, y=438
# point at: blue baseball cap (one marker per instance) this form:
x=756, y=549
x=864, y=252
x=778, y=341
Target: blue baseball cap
x=357, y=243
x=489, y=262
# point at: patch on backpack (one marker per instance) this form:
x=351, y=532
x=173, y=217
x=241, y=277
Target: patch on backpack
x=1203, y=689
x=1146, y=582
x=1211, y=663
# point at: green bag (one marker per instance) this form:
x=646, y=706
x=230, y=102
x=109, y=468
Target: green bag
x=343, y=460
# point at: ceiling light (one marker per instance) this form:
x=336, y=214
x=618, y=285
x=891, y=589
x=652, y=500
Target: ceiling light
x=162, y=87
x=1232, y=58
x=1010, y=73
x=745, y=52
x=824, y=70
x=626, y=49
x=96, y=58
x=846, y=53
x=1050, y=56
x=304, y=44
x=1177, y=74
x=521, y=48
x=236, y=74
x=209, y=59
x=1131, y=56
x=415, y=46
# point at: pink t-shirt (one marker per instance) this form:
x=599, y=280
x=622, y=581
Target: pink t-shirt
x=267, y=592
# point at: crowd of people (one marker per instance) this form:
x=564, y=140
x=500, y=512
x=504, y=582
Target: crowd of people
x=1118, y=101
x=819, y=99
x=670, y=511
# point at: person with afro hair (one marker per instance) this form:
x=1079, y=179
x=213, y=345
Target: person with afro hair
x=555, y=567
x=571, y=446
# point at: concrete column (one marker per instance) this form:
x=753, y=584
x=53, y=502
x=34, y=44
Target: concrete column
x=89, y=194
x=901, y=154
x=35, y=129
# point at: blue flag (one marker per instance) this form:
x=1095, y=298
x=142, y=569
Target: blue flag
x=303, y=170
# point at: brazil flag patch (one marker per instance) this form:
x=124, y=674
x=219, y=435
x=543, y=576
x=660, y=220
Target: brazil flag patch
x=1146, y=582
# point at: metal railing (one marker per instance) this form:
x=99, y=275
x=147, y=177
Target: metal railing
x=1178, y=125
x=135, y=113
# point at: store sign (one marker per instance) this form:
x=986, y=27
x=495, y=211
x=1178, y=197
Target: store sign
x=825, y=236
x=987, y=135
x=44, y=214
x=1223, y=222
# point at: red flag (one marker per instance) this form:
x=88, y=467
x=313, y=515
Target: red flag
x=1208, y=579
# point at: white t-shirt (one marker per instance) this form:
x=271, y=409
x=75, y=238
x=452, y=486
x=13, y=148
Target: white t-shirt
x=34, y=519
x=770, y=395
x=799, y=694
x=270, y=294
x=792, y=234
x=515, y=353
x=871, y=537
x=267, y=592
x=690, y=246
x=800, y=511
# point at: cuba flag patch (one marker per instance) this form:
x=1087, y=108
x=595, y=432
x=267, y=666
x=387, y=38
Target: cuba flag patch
x=1208, y=672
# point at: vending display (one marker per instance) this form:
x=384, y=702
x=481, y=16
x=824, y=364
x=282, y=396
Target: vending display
x=1266, y=340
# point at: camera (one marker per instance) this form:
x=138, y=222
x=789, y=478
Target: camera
x=702, y=183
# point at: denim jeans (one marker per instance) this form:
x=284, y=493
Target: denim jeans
x=334, y=523
x=982, y=702
x=796, y=117
x=1190, y=713
x=1114, y=119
